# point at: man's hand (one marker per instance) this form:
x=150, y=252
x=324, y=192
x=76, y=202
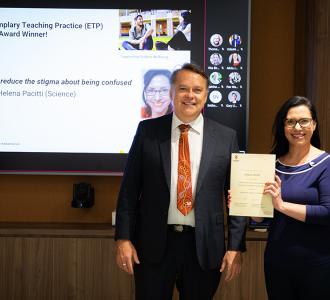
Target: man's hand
x=126, y=256
x=141, y=43
x=232, y=263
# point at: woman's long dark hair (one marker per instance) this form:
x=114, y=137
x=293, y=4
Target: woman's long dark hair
x=280, y=143
x=148, y=76
x=186, y=15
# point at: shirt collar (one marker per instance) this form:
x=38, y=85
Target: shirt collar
x=196, y=125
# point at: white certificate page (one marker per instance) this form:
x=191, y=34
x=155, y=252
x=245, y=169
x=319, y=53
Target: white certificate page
x=249, y=173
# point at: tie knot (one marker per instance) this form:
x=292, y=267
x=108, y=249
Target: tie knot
x=184, y=127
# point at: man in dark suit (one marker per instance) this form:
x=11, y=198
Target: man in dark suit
x=161, y=243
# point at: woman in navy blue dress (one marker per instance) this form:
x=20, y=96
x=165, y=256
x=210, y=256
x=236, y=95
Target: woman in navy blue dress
x=297, y=255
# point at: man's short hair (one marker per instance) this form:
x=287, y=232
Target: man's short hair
x=137, y=17
x=189, y=67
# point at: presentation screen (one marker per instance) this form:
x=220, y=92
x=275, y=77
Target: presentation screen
x=75, y=80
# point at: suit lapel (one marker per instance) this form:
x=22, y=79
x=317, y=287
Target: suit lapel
x=209, y=143
x=165, y=147
x=208, y=148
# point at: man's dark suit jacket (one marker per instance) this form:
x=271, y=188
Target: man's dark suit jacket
x=144, y=197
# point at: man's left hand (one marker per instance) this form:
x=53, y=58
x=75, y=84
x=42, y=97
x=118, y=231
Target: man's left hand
x=232, y=263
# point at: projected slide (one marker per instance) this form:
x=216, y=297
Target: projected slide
x=69, y=82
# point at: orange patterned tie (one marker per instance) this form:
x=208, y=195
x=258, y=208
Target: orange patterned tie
x=184, y=197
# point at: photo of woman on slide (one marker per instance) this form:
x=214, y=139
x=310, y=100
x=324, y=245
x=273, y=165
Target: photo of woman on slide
x=182, y=37
x=156, y=94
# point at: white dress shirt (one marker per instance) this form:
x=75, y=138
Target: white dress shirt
x=195, y=138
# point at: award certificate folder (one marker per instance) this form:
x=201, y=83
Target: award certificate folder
x=249, y=173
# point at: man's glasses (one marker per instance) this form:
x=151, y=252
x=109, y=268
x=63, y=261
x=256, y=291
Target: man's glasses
x=162, y=92
x=304, y=122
